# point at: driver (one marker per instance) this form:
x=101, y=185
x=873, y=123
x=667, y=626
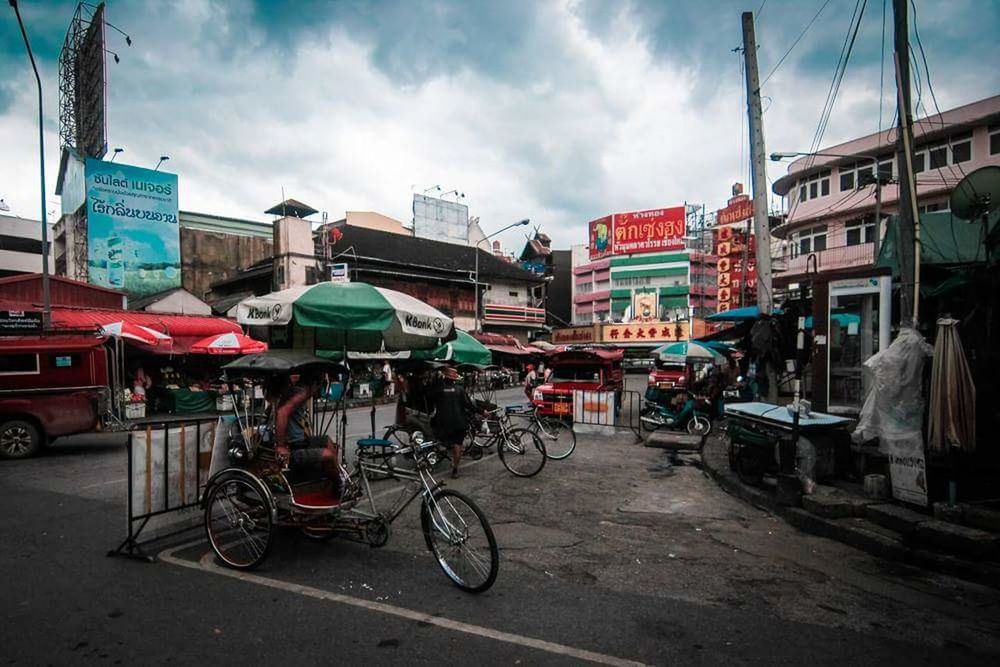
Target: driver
x=295, y=442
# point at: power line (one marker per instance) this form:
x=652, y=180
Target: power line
x=801, y=35
x=838, y=76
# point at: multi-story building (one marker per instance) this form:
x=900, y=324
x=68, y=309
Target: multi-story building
x=683, y=281
x=830, y=198
x=21, y=246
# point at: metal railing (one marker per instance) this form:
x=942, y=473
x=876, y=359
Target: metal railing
x=828, y=259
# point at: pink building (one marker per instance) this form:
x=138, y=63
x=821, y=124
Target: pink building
x=830, y=200
x=592, y=292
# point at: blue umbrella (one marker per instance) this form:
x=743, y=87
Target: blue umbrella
x=681, y=352
x=739, y=314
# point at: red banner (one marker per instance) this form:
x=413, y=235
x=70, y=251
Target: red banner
x=649, y=231
x=739, y=208
x=601, y=238
x=732, y=245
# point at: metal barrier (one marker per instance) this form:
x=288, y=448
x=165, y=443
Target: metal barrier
x=168, y=465
x=605, y=411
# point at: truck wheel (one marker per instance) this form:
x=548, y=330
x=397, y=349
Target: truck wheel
x=19, y=439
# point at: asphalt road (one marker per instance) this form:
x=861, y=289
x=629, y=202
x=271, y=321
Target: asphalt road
x=607, y=556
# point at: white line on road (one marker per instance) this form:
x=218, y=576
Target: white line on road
x=206, y=565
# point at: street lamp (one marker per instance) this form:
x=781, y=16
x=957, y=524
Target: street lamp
x=117, y=151
x=163, y=158
x=46, y=300
x=476, y=251
x=777, y=157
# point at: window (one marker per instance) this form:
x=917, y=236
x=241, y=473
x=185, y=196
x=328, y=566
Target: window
x=809, y=240
x=19, y=364
x=846, y=179
x=860, y=231
x=956, y=150
x=935, y=207
x=514, y=294
x=815, y=186
x=994, y=139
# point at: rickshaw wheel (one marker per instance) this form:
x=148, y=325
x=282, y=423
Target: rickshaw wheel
x=460, y=537
x=238, y=521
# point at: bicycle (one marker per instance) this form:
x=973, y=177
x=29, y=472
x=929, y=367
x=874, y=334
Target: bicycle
x=557, y=433
x=520, y=450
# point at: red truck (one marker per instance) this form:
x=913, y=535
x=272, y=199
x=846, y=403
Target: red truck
x=587, y=369
x=50, y=386
x=668, y=375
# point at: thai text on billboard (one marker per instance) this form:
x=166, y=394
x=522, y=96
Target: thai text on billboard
x=649, y=231
x=738, y=209
x=133, y=233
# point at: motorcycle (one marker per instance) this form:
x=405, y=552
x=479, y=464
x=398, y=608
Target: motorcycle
x=691, y=417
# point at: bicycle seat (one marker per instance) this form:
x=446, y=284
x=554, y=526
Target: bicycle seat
x=374, y=442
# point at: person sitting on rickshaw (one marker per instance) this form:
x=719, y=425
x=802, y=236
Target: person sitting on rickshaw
x=296, y=444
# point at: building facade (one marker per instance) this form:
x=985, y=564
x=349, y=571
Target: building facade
x=830, y=200
x=21, y=246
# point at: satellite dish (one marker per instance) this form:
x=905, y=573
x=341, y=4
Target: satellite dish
x=977, y=194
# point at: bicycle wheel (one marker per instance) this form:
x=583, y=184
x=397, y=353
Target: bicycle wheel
x=521, y=452
x=558, y=436
x=238, y=522
x=460, y=537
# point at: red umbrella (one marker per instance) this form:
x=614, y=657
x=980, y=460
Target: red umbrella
x=228, y=343
x=136, y=332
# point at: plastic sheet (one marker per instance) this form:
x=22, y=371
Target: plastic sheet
x=893, y=409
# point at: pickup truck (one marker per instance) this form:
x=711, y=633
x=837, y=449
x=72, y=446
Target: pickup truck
x=588, y=369
x=50, y=386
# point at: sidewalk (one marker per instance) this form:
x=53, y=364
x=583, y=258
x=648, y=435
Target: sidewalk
x=878, y=527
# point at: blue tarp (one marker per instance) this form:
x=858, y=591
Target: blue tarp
x=739, y=314
x=779, y=413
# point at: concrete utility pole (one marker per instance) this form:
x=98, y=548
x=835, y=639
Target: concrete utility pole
x=907, y=197
x=758, y=158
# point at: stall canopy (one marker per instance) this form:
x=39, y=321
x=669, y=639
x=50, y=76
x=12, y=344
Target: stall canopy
x=185, y=330
x=463, y=350
x=739, y=314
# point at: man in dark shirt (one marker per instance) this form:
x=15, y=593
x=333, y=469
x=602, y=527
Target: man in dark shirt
x=295, y=442
x=452, y=408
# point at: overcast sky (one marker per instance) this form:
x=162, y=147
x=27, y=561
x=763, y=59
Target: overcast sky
x=558, y=111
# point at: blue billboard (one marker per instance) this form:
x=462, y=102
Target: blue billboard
x=133, y=235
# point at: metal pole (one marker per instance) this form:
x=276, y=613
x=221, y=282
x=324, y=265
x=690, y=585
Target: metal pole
x=878, y=214
x=475, y=250
x=46, y=298
x=760, y=208
x=907, y=219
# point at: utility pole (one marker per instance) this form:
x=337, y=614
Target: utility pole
x=757, y=156
x=907, y=197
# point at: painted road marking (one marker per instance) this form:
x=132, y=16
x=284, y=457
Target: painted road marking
x=206, y=565
x=110, y=481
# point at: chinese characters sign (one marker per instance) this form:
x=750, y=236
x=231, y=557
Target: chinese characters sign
x=649, y=332
x=636, y=232
x=736, y=264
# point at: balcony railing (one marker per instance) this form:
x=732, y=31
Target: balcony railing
x=841, y=257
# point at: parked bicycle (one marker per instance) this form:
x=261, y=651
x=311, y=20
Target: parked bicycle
x=520, y=450
x=557, y=433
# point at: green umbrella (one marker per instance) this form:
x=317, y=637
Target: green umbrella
x=354, y=316
x=463, y=350
x=681, y=352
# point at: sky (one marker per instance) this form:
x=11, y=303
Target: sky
x=561, y=111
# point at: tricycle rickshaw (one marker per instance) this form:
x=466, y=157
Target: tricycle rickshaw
x=250, y=497
x=245, y=501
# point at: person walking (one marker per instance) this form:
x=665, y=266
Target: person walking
x=530, y=380
x=452, y=408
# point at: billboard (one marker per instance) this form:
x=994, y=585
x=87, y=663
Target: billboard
x=133, y=234
x=440, y=220
x=83, y=83
x=738, y=209
x=635, y=232
x=600, y=237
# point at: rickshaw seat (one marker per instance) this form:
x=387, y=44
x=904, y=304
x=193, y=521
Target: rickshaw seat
x=374, y=442
x=317, y=500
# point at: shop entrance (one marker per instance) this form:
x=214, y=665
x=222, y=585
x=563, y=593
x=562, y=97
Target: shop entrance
x=858, y=327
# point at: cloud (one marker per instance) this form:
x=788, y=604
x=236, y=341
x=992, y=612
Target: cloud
x=560, y=111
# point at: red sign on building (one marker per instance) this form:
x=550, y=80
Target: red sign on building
x=655, y=230
x=601, y=237
x=737, y=267
x=738, y=209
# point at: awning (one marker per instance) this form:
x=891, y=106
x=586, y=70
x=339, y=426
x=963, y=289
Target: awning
x=47, y=343
x=508, y=349
x=184, y=329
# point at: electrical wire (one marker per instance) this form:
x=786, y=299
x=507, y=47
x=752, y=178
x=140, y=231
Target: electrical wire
x=838, y=77
x=797, y=39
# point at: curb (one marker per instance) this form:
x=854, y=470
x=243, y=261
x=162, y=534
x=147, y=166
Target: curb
x=848, y=531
